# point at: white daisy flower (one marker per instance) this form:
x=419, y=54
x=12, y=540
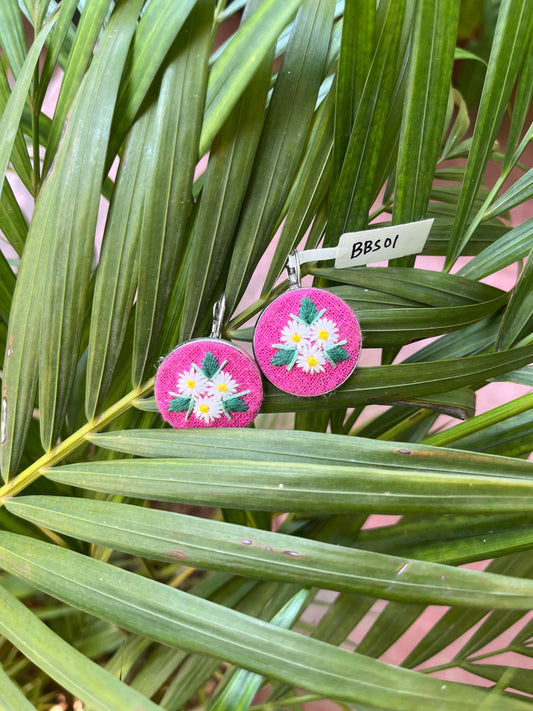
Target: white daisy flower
x=191, y=383
x=222, y=385
x=324, y=332
x=311, y=359
x=207, y=408
x=295, y=334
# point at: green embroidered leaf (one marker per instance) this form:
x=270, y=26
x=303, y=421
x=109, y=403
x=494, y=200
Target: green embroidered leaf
x=308, y=311
x=179, y=404
x=336, y=354
x=210, y=365
x=285, y=356
x=234, y=403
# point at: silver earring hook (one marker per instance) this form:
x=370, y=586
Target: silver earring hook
x=218, y=316
x=293, y=270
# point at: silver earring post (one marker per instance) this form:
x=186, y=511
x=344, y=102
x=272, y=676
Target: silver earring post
x=218, y=316
x=293, y=270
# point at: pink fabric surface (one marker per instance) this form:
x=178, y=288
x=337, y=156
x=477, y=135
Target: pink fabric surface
x=311, y=372
x=209, y=396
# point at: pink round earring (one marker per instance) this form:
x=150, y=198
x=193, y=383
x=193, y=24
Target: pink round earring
x=208, y=382
x=307, y=341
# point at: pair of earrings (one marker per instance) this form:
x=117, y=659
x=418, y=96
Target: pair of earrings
x=306, y=342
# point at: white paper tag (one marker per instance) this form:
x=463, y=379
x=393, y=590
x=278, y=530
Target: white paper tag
x=382, y=243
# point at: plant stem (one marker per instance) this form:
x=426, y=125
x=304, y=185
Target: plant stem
x=35, y=470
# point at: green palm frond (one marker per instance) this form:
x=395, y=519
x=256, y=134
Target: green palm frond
x=143, y=567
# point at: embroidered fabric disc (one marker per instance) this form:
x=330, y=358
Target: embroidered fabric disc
x=208, y=382
x=307, y=342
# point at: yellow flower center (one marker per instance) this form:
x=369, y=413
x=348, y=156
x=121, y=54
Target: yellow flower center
x=296, y=337
x=204, y=408
x=323, y=335
x=222, y=387
x=312, y=361
x=191, y=383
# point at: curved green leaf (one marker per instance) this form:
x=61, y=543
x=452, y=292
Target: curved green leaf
x=19, y=155
x=12, y=38
x=452, y=539
x=64, y=663
x=401, y=325
x=7, y=286
x=416, y=285
x=241, y=550
x=116, y=276
x=158, y=28
x=477, y=484
x=226, y=180
x=71, y=198
x=12, y=221
x=172, y=150
x=457, y=621
x=238, y=62
x=355, y=58
x=80, y=56
x=519, y=309
x=176, y=618
x=511, y=39
x=430, y=68
x=308, y=191
x=513, y=246
x=353, y=195
x=518, y=193
x=240, y=692
x=11, y=116
x=282, y=141
x=12, y=697
x=512, y=437
x=390, y=383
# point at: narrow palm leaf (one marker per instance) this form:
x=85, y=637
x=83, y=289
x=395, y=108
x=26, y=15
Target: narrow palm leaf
x=519, y=309
x=308, y=191
x=158, y=28
x=382, y=384
x=511, y=40
x=239, y=60
x=240, y=691
x=116, y=277
x=457, y=621
x=241, y=550
x=19, y=155
x=511, y=247
x=226, y=181
x=173, y=617
x=64, y=663
x=11, y=116
x=243, y=484
x=356, y=54
x=521, y=191
x=7, y=286
x=12, y=38
x=431, y=61
x=71, y=198
x=12, y=222
x=352, y=198
x=286, y=125
x=172, y=151
x=80, y=56
x=12, y=697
